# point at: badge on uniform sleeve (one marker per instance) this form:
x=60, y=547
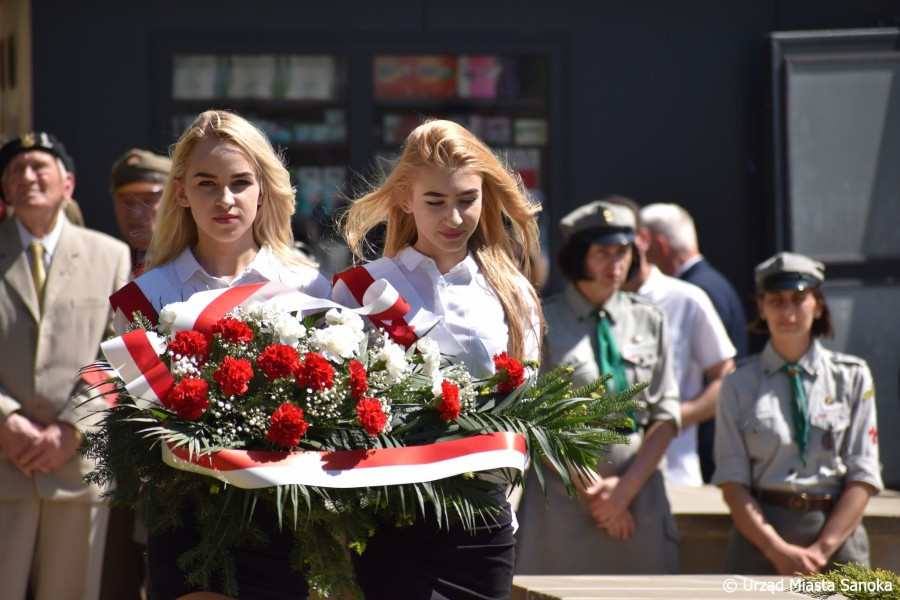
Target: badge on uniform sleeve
x=829, y=400
x=868, y=394
x=873, y=433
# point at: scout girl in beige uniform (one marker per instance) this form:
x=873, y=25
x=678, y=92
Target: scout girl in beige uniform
x=622, y=523
x=796, y=436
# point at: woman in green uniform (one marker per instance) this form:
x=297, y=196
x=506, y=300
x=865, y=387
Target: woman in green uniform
x=796, y=436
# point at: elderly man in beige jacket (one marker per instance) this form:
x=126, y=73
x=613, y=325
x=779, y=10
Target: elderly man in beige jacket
x=55, y=279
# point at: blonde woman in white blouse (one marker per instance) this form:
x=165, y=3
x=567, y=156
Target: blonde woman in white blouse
x=224, y=220
x=449, y=254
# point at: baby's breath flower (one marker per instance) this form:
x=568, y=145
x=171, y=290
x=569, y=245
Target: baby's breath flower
x=324, y=404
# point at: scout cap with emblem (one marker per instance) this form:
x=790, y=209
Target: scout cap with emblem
x=35, y=140
x=139, y=165
x=600, y=222
x=788, y=271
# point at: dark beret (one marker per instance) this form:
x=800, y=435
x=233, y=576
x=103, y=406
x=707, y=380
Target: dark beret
x=35, y=140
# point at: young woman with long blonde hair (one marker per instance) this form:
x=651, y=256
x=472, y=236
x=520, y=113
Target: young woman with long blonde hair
x=224, y=220
x=451, y=209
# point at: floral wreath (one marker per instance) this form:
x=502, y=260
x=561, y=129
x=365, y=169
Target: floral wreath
x=332, y=428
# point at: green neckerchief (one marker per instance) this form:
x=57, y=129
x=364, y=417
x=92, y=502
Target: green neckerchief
x=609, y=359
x=800, y=407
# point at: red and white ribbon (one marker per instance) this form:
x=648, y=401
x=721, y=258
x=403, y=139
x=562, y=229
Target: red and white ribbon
x=355, y=468
x=392, y=304
x=135, y=361
x=203, y=309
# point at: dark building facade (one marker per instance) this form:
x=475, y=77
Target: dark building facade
x=660, y=100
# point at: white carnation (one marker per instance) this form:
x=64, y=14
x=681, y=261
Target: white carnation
x=288, y=329
x=339, y=316
x=265, y=311
x=431, y=353
x=337, y=342
x=168, y=314
x=429, y=350
x=394, y=357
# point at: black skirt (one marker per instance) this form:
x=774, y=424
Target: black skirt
x=425, y=561
x=263, y=571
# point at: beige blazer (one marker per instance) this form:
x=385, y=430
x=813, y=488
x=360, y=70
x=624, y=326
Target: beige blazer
x=40, y=357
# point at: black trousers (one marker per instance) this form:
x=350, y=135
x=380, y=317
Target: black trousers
x=263, y=571
x=424, y=561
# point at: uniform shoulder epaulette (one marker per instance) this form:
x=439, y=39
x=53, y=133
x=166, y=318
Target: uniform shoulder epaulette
x=642, y=303
x=846, y=359
x=746, y=360
x=635, y=299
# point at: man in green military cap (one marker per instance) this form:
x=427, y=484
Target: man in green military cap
x=623, y=520
x=137, y=181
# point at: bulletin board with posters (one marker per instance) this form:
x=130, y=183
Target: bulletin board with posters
x=299, y=100
x=503, y=98
x=336, y=105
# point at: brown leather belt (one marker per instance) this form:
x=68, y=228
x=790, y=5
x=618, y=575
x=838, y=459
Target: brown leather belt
x=797, y=502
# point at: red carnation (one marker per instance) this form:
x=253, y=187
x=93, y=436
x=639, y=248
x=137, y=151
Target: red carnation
x=358, y=382
x=371, y=415
x=511, y=372
x=315, y=372
x=190, y=343
x=233, y=375
x=449, y=406
x=189, y=398
x=278, y=361
x=287, y=426
x=233, y=331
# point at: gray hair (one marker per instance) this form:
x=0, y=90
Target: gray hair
x=672, y=221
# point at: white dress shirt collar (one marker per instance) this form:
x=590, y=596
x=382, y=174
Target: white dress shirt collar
x=464, y=272
x=49, y=241
x=186, y=266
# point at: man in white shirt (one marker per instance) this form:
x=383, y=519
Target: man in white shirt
x=701, y=350
x=675, y=250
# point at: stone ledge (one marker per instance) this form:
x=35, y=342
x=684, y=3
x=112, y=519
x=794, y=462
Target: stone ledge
x=651, y=587
x=703, y=523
